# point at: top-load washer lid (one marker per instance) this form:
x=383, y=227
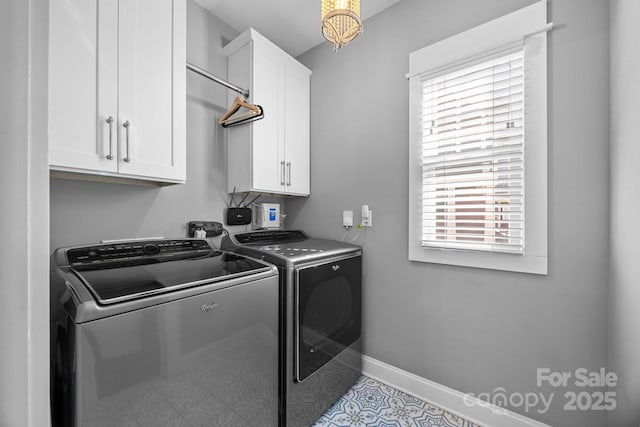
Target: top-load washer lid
x=121, y=272
x=286, y=248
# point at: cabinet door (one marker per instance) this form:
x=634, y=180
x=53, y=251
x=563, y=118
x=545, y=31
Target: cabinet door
x=151, y=94
x=83, y=84
x=296, y=129
x=267, y=143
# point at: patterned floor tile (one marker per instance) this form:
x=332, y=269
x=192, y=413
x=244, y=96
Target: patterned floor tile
x=370, y=403
x=453, y=420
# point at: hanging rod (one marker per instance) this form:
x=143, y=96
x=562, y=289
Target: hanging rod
x=218, y=80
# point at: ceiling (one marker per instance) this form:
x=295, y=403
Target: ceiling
x=294, y=25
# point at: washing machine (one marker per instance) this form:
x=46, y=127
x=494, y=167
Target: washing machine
x=320, y=317
x=163, y=332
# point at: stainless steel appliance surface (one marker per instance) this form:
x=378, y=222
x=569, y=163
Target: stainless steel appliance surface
x=320, y=317
x=162, y=332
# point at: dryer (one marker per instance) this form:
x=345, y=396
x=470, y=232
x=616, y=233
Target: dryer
x=320, y=317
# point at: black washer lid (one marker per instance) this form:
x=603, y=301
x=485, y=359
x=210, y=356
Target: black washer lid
x=126, y=273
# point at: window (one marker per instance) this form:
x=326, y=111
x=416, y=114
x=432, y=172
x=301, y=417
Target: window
x=478, y=146
x=473, y=157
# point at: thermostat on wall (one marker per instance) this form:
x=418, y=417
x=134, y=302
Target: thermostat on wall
x=267, y=215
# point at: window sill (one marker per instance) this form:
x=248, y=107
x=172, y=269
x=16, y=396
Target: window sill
x=530, y=263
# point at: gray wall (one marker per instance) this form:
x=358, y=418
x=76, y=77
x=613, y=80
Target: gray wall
x=469, y=329
x=86, y=212
x=624, y=293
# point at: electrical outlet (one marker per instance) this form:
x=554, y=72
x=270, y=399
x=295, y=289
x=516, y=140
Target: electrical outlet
x=367, y=215
x=368, y=222
x=212, y=228
x=347, y=219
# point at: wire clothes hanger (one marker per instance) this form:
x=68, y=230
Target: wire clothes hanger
x=253, y=113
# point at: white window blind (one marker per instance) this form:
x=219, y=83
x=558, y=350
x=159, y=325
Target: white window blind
x=473, y=156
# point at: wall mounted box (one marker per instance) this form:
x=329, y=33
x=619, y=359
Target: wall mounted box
x=267, y=215
x=270, y=155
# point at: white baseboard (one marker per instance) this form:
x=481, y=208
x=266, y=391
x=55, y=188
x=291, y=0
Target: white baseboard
x=468, y=407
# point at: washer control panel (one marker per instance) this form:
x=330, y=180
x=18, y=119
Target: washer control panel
x=266, y=236
x=134, y=249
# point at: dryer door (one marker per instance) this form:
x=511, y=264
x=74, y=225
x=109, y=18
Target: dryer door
x=328, y=312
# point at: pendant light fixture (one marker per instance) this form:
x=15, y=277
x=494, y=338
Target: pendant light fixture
x=341, y=21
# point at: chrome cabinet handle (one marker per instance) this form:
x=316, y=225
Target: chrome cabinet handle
x=110, y=122
x=282, y=174
x=289, y=173
x=126, y=126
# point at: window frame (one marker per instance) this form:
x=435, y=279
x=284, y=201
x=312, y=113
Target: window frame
x=526, y=27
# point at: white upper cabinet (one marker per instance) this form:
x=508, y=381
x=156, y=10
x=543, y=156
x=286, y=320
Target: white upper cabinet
x=117, y=89
x=270, y=155
x=296, y=129
x=82, y=109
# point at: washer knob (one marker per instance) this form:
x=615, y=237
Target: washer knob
x=151, y=249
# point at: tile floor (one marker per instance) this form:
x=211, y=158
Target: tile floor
x=370, y=403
